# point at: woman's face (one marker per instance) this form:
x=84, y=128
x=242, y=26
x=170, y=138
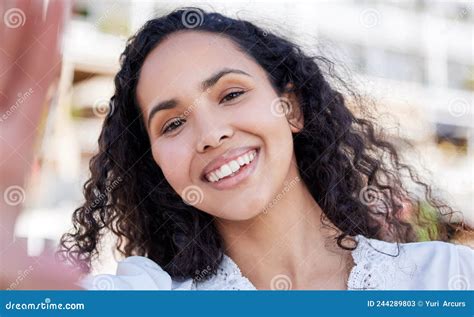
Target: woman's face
x=210, y=111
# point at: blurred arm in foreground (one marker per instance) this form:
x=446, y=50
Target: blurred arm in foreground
x=30, y=64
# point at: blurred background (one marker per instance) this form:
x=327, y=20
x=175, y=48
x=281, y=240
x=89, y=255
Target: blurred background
x=414, y=59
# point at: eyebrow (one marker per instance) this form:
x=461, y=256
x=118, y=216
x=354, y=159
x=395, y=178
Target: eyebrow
x=206, y=84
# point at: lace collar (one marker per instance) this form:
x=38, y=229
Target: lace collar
x=379, y=265
x=228, y=277
x=374, y=269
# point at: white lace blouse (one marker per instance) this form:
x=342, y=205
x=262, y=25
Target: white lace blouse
x=379, y=265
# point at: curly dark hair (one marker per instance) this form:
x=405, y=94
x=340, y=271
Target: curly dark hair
x=343, y=159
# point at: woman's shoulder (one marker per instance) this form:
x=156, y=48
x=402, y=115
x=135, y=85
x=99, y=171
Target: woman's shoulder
x=418, y=265
x=136, y=273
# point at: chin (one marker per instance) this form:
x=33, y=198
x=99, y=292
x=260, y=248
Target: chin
x=242, y=212
x=239, y=216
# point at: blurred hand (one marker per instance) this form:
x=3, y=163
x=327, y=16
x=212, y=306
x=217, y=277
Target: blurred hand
x=30, y=64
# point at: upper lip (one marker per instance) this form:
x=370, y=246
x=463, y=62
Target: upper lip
x=228, y=156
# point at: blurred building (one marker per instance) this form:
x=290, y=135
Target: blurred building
x=413, y=58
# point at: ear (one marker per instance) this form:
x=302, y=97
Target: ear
x=294, y=114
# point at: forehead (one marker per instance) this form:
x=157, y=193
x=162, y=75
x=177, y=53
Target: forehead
x=186, y=58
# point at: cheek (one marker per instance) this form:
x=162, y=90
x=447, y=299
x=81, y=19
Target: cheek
x=275, y=131
x=174, y=162
x=263, y=118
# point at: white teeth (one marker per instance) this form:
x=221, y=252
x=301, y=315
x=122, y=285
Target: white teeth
x=234, y=166
x=210, y=177
x=225, y=170
x=214, y=177
x=246, y=158
x=231, y=167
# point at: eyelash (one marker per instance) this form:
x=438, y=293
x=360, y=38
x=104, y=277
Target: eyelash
x=239, y=92
x=174, y=123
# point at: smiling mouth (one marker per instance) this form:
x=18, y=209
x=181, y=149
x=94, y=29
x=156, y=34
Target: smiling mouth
x=232, y=168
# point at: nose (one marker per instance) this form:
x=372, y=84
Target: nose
x=212, y=135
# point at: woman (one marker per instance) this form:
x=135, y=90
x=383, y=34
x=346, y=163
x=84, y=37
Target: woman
x=228, y=161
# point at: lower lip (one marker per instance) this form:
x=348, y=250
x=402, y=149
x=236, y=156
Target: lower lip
x=242, y=174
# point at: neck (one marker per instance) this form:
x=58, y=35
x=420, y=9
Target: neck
x=289, y=240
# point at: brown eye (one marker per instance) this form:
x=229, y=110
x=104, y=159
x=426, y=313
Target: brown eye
x=232, y=95
x=174, y=124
